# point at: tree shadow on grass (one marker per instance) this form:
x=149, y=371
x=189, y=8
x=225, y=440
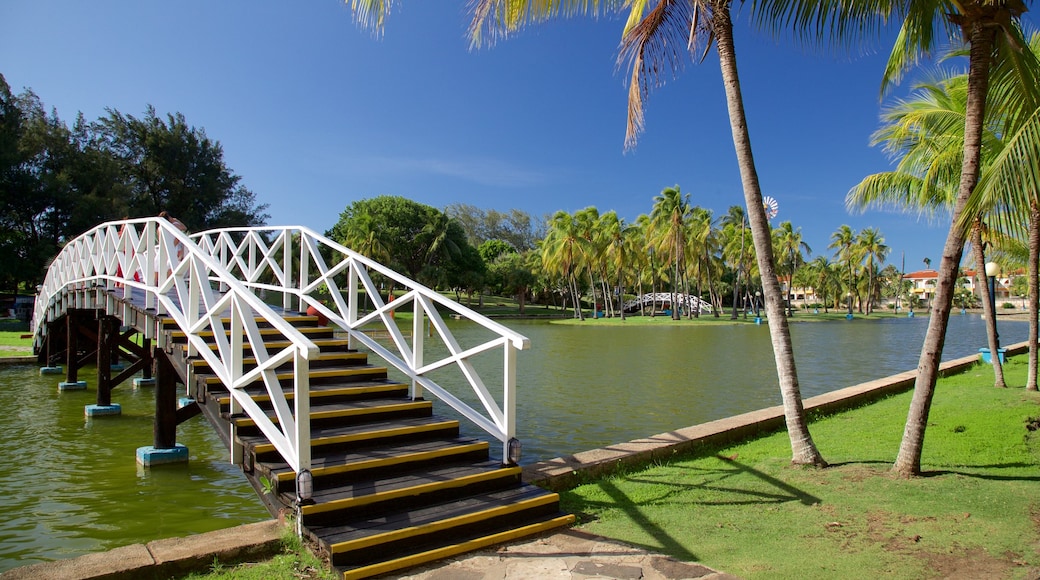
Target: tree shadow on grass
x=709, y=481
x=987, y=476
x=963, y=471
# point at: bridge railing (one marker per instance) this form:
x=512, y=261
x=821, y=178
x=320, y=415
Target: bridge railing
x=688, y=300
x=312, y=271
x=153, y=260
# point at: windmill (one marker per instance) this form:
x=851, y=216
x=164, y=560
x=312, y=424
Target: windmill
x=772, y=208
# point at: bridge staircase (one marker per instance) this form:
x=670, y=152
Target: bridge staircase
x=384, y=482
x=394, y=485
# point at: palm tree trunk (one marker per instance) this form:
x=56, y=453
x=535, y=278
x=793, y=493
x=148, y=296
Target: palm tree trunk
x=908, y=462
x=1034, y=296
x=989, y=313
x=803, y=449
x=740, y=266
x=870, y=285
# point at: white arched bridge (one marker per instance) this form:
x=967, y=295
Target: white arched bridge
x=266, y=332
x=685, y=301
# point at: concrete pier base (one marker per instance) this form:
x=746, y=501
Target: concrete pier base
x=102, y=410
x=149, y=456
x=72, y=386
x=58, y=370
x=139, y=382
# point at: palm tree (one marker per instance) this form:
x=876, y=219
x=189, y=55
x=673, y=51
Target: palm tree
x=668, y=221
x=926, y=133
x=644, y=235
x=663, y=39
x=735, y=215
x=843, y=242
x=988, y=27
x=621, y=241
x=824, y=279
x=789, y=245
x=561, y=254
x=585, y=221
x=702, y=242
x=871, y=245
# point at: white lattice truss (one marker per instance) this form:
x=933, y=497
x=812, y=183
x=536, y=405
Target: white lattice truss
x=210, y=282
x=686, y=300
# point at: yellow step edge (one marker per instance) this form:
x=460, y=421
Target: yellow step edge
x=409, y=406
x=285, y=343
x=227, y=319
x=414, y=560
x=196, y=363
x=369, y=390
x=442, y=525
x=409, y=491
x=263, y=331
x=368, y=435
x=318, y=373
x=387, y=461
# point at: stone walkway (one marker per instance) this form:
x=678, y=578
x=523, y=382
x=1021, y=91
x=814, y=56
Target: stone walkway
x=571, y=555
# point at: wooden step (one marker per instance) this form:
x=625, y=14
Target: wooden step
x=352, y=497
x=390, y=535
x=384, y=431
x=461, y=546
x=353, y=409
x=318, y=374
x=407, y=525
x=328, y=344
x=293, y=319
x=353, y=389
x=208, y=335
x=338, y=464
x=330, y=358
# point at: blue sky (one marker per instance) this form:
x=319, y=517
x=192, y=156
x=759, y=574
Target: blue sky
x=315, y=113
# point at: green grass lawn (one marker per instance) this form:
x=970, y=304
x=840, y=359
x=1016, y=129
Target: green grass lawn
x=12, y=343
x=745, y=510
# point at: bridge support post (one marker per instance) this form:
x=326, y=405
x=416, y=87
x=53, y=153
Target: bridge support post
x=146, y=379
x=73, y=323
x=107, y=343
x=165, y=448
x=50, y=368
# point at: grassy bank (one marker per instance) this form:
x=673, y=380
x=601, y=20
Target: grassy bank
x=12, y=343
x=745, y=510
x=294, y=563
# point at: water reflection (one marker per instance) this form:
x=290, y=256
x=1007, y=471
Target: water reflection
x=72, y=485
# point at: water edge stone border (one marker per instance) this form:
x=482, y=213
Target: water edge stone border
x=172, y=557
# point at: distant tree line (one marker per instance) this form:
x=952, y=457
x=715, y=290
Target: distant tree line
x=57, y=182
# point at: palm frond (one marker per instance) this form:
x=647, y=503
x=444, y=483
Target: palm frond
x=371, y=14
x=834, y=24
x=893, y=190
x=659, y=44
x=494, y=20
